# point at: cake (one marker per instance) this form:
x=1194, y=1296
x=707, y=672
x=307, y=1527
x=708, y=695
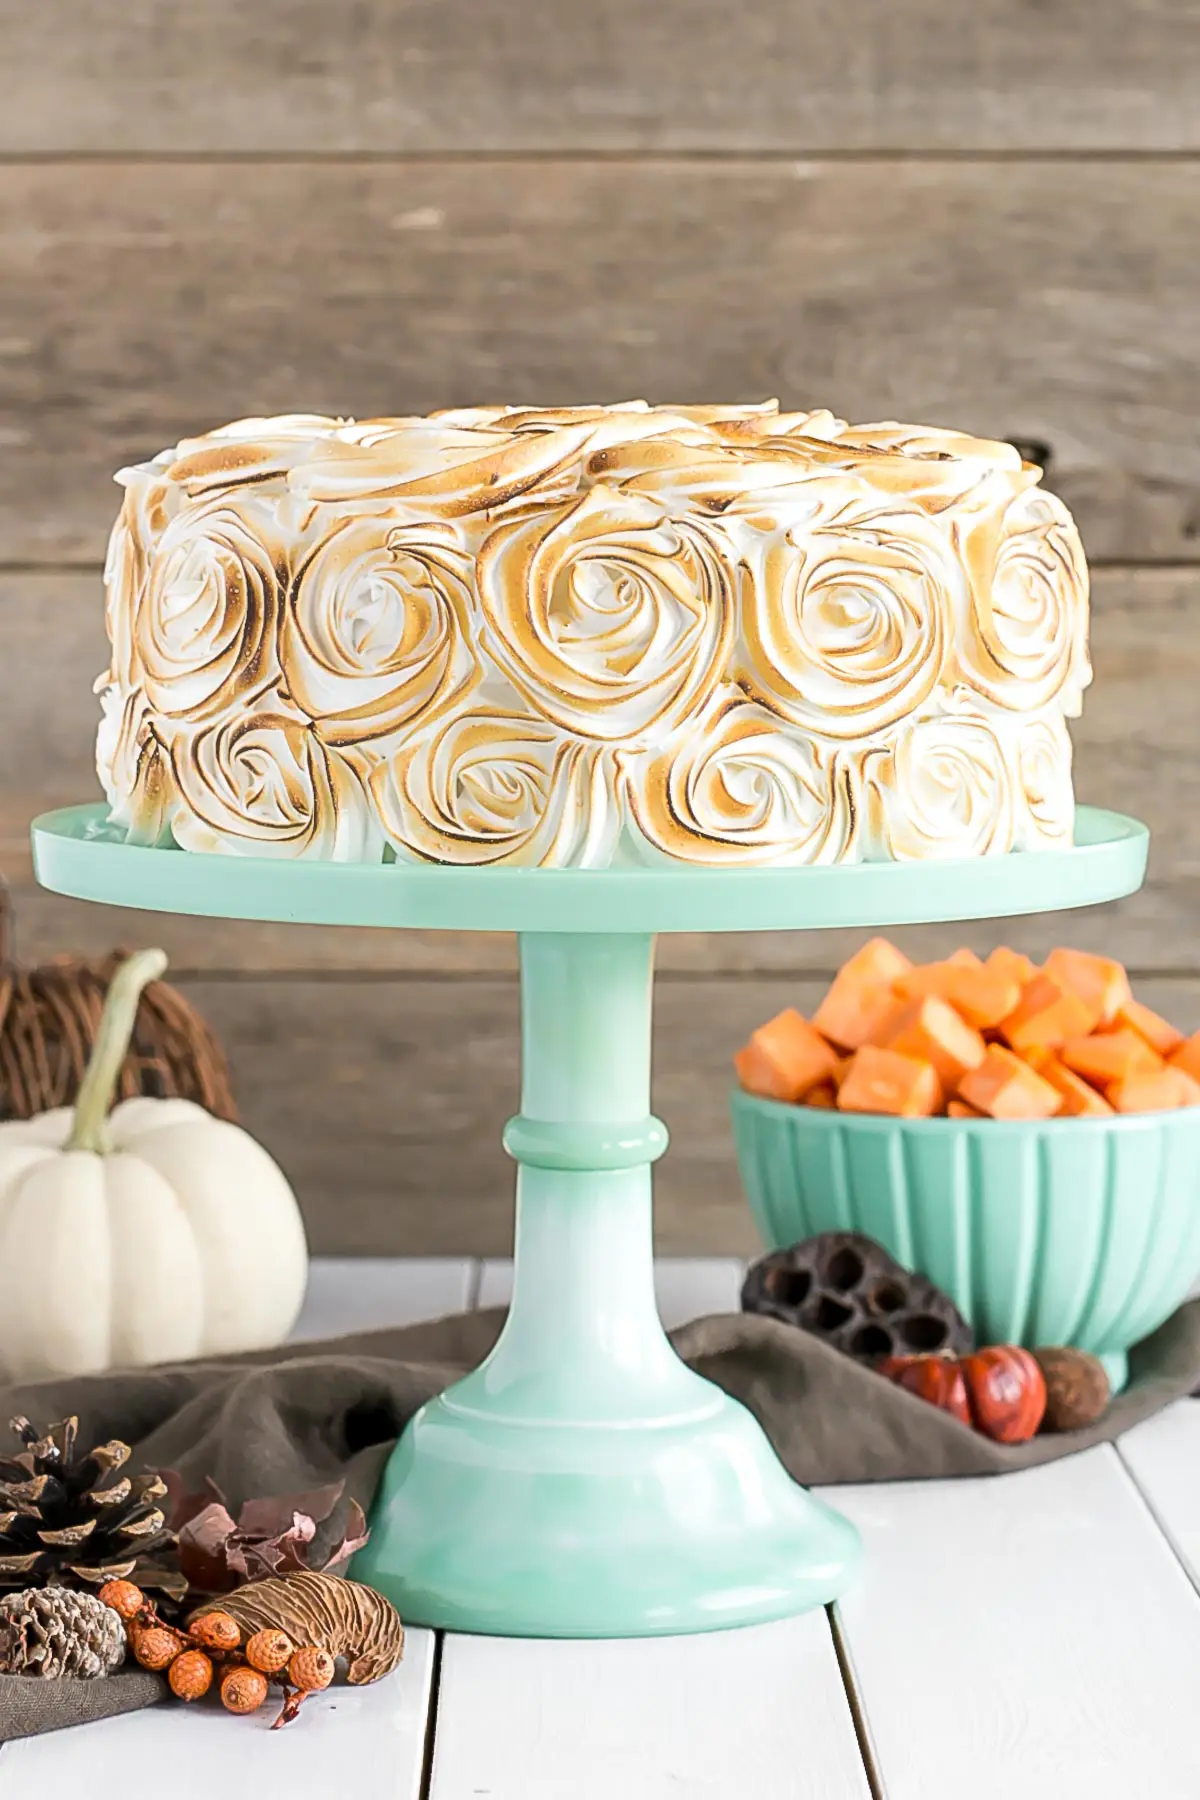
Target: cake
x=600, y=636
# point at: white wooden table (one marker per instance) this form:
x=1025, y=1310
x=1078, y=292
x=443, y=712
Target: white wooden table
x=1036, y=1635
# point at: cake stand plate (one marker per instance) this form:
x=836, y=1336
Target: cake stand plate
x=584, y=1482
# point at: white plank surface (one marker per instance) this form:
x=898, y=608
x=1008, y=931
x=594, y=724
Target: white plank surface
x=1163, y=1457
x=358, y=1293
x=687, y=1287
x=368, y=1741
x=1029, y=1635
x=759, y=1713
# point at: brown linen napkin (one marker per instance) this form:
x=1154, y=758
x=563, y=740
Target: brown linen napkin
x=284, y=1421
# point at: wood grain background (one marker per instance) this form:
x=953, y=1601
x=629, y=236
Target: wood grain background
x=987, y=216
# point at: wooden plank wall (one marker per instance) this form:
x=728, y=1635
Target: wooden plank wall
x=984, y=215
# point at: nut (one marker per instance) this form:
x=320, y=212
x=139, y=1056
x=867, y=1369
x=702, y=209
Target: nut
x=215, y=1631
x=269, y=1650
x=154, y=1646
x=125, y=1598
x=310, y=1669
x=243, y=1690
x=1077, y=1388
x=191, y=1675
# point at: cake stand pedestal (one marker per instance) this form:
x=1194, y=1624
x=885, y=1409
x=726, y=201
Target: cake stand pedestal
x=584, y=1482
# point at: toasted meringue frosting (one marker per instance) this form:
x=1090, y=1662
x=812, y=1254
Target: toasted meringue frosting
x=581, y=637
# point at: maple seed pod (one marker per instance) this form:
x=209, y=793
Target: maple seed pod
x=155, y=1647
x=215, y=1631
x=310, y=1669
x=190, y=1675
x=243, y=1690
x=125, y=1598
x=269, y=1650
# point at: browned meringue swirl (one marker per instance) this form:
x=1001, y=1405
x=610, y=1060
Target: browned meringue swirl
x=1026, y=640
x=846, y=619
x=263, y=784
x=739, y=788
x=498, y=787
x=204, y=634
x=943, y=789
x=376, y=631
x=134, y=766
x=610, y=617
x=1045, y=793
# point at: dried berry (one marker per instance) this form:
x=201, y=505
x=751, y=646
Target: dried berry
x=155, y=1646
x=215, y=1631
x=269, y=1650
x=191, y=1675
x=243, y=1690
x=125, y=1597
x=1007, y=1392
x=937, y=1379
x=1077, y=1388
x=310, y=1669
x=344, y=1617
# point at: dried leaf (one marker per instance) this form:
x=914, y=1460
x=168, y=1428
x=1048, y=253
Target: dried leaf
x=273, y=1516
x=271, y=1536
x=356, y=1536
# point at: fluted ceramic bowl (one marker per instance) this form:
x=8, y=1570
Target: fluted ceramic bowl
x=1060, y=1231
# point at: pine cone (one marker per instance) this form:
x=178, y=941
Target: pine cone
x=76, y=1521
x=52, y=1632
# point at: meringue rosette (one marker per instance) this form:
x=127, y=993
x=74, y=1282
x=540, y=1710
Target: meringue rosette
x=377, y=626
x=591, y=636
x=498, y=788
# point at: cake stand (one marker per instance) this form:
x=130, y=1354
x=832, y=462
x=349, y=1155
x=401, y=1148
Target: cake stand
x=584, y=1482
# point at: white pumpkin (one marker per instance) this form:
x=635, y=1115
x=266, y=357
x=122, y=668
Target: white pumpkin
x=149, y=1234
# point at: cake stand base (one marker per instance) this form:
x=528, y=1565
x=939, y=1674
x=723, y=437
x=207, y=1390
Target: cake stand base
x=584, y=1482
x=634, y=1528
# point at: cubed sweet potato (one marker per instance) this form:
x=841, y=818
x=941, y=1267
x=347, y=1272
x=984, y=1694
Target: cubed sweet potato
x=1046, y=1015
x=1079, y=1098
x=860, y=1000
x=1108, y=1056
x=1100, y=981
x=1163, y=1090
x=1158, y=1032
x=1004, y=1087
x=785, y=1058
x=932, y=1031
x=885, y=1081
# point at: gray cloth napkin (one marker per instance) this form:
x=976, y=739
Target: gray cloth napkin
x=288, y=1420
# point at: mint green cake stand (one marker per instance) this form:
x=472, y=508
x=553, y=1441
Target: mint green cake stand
x=584, y=1482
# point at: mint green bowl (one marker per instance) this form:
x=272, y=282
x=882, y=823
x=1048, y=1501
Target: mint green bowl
x=1063, y=1231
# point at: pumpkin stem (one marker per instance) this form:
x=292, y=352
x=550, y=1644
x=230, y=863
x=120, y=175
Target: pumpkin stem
x=90, y=1128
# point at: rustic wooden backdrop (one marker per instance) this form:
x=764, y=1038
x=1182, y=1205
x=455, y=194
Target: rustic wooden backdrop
x=983, y=215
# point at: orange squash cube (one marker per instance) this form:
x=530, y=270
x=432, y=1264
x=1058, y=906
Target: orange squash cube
x=1109, y=1056
x=1100, y=982
x=958, y=1109
x=931, y=1031
x=1004, y=1087
x=1079, y=1098
x=860, y=1000
x=784, y=1058
x=1163, y=1090
x=1013, y=965
x=823, y=1096
x=1187, y=1056
x=884, y=1081
x=1047, y=1014
x=1158, y=1032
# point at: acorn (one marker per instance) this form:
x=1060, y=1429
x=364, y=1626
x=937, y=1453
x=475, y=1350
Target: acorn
x=154, y=1646
x=215, y=1631
x=243, y=1690
x=1077, y=1388
x=190, y=1675
x=125, y=1598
